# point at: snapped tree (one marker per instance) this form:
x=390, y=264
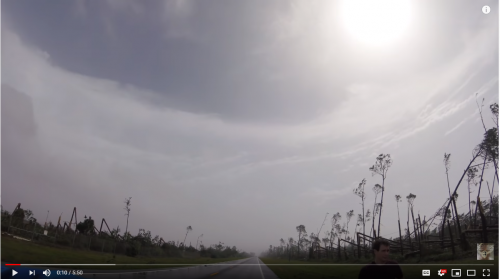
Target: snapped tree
x=376, y=189
x=127, y=208
x=301, y=229
x=410, y=198
x=188, y=229
x=447, y=162
x=335, y=219
x=471, y=181
x=360, y=192
x=382, y=165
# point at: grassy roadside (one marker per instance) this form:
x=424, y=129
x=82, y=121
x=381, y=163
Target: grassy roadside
x=318, y=270
x=19, y=251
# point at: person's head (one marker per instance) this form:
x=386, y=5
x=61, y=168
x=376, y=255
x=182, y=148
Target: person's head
x=381, y=250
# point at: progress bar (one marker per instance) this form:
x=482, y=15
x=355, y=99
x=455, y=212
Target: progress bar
x=443, y=264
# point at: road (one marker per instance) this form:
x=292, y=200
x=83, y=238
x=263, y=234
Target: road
x=250, y=268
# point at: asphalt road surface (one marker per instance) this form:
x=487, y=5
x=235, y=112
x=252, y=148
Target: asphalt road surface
x=250, y=268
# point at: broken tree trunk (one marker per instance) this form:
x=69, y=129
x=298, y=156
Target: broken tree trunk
x=414, y=227
x=359, y=246
x=483, y=221
x=400, y=238
x=451, y=239
x=338, y=248
x=479, y=190
x=456, y=188
x=456, y=216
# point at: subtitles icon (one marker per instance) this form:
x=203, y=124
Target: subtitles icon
x=441, y=272
x=426, y=272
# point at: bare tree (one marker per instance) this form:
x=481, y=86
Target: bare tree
x=359, y=222
x=314, y=239
x=446, y=162
x=471, y=181
x=376, y=189
x=378, y=207
x=301, y=229
x=398, y=200
x=325, y=241
x=480, y=184
x=473, y=203
x=410, y=198
x=490, y=191
x=382, y=165
x=127, y=208
x=368, y=215
x=360, y=192
x=197, y=241
x=305, y=242
x=338, y=230
x=349, y=215
x=188, y=229
x=282, y=245
x=335, y=219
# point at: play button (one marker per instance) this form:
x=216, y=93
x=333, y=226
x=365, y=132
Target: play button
x=14, y=272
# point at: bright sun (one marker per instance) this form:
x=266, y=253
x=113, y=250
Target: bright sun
x=377, y=22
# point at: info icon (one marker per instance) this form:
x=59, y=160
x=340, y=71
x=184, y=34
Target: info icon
x=486, y=10
x=426, y=272
x=456, y=273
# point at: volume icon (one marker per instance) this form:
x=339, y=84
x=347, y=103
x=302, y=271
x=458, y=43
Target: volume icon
x=46, y=272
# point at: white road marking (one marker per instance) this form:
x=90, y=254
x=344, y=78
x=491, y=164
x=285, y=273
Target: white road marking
x=260, y=269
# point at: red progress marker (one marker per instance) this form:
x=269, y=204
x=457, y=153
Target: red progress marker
x=12, y=264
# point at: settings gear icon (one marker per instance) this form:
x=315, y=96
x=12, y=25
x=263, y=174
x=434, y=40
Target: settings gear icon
x=441, y=272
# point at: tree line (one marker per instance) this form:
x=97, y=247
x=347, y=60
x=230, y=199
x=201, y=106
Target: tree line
x=85, y=235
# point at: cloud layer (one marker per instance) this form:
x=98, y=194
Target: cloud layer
x=247, y=134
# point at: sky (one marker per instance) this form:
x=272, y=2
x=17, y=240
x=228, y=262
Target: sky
x=241, y=119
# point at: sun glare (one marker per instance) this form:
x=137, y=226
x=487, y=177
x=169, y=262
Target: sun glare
x=377, y=23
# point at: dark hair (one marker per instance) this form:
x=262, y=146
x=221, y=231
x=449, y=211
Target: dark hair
x=376, y=244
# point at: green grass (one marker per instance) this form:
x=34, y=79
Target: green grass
x=19, y=251
x=313, y=270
